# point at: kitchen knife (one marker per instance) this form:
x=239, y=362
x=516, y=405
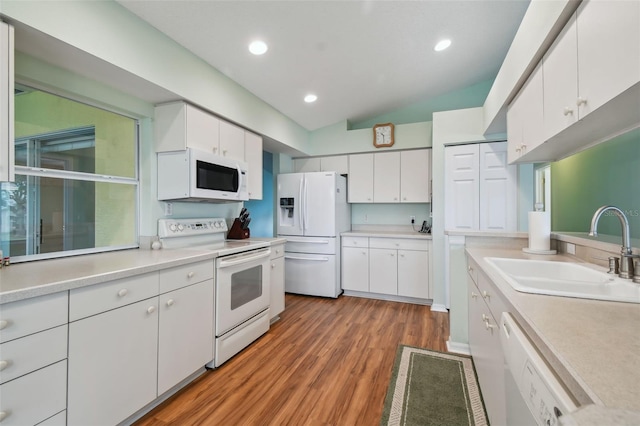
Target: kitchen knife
x=245, y=224
x=242, y=212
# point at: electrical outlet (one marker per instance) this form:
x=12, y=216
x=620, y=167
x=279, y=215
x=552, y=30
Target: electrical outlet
x=430, y=214
x=413, y=219
x=366, y=218
x=168, y=209
x=571, y=248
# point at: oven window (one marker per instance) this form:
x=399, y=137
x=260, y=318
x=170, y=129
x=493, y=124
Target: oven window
x=246, y=285
x=216, y=177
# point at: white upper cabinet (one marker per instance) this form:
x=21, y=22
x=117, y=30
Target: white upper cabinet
x=360, y=178
x=180, y=126
x=525, y=118
x=231, y=141
x=415, y=176
x=591, y=75
x=386, y=177
x=253, y=158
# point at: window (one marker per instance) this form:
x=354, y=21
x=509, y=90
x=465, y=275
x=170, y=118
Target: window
x=76, y=185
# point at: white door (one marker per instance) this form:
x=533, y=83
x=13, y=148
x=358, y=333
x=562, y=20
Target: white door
x=361, y=178
x=461, y=187
x=413, y=273
x=497, y=189
x=319, y=209
x=290, y=204
x=355, y=269
x=386, y=177
x=415, y=176
x=383, y=271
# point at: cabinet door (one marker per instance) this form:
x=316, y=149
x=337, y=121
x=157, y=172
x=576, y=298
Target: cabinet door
x=386, y=177
x=498, y=189
x=355, y=268
x=361, y=178
x=7, y=173
x=608, y=50
x=560, y=73
x=413, y=273
x=486, y=349
x=231, y=141
x=185, y=341
x=515, y=118
x=202, y=129
x=113, y=364
x=532, y=103
x=462, y=191
x=383, y=271
x=277, y=287
x=415, y=176
x=304, y=165
x=336, y=163
x=253, y=158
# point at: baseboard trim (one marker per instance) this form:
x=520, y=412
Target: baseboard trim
x=388, y=297
x=437, y=307
x=458, y=348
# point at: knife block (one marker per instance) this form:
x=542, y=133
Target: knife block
x=237, y=233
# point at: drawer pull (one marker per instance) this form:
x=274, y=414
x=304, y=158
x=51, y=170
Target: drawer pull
x=190, y=274
x=123, y=292
x=3, y=415
x=474, y=295
x=273, y=265
x=489, y=326
x=486, y=295
x=170, y=302
x=469, y=268
x=151, y=309
x=3, y=324
x=3, y=364
x=277, y=251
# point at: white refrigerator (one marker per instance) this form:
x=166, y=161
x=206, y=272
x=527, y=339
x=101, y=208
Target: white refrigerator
x=312, y=212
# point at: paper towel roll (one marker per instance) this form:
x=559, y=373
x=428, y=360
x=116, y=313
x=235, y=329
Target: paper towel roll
x=539, y=231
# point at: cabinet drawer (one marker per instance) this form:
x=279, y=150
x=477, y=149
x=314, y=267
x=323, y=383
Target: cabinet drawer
x=36, y=396
x=355, y=242
x=399, y=243
x=182, y=276
x=277, y=251
x=472, y=270
x=18, y=319
x=84, y=302
x=21, y=356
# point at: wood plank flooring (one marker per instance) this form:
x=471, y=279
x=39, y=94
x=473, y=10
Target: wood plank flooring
x=326, y=362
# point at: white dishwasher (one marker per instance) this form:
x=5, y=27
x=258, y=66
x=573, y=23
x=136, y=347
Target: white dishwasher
x=534, y=396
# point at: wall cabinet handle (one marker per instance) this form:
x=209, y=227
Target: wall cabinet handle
x=3, y=415
x=3, y=324
x=581, y=101
x=123, y=292
x=190, y=274
x=170, y=302
x=486, y=295
x=567, y=111
x=151, y=309
x=3, y=364
x=474, y=295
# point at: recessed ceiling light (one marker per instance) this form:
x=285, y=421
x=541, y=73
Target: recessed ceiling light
x=258, y=47
x=310, y=98
x=442, y=44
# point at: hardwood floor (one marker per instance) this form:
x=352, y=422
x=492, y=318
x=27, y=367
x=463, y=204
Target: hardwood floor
x=326, y=362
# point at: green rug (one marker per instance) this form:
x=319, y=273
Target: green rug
x=433, y=388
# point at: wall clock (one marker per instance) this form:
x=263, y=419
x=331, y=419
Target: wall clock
x=383, y=135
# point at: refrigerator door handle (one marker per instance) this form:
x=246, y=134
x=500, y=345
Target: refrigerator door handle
x=314, y=259
x=306, y=240
x=300, y=205
x=306, y=202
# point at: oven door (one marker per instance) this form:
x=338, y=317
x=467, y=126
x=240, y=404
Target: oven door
x=242, y=288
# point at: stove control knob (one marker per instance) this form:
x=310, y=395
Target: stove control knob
x=173, y=227
x=217, y=224
x=180, y=227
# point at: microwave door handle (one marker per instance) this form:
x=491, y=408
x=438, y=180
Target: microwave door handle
x=240, y=182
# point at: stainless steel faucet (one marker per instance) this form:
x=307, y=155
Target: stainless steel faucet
x=626, y=262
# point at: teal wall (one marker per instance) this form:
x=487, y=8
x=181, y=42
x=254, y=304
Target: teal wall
x=262, y=210
x=467, y=97
x=608, y=173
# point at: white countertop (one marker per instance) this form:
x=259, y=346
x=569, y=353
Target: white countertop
x=593, y=346
x=30, y=279
x=387, y=234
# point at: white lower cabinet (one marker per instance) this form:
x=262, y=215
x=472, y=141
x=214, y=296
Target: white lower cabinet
x=33, y=360
x=185, y=333
x=276, y=304
x=386, y=266
x=484, y=342
x=113, y=364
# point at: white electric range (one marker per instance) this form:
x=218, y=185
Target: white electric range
x=242, y=280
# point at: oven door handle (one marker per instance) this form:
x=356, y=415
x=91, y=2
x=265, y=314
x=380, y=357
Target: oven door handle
x=244, y=259
x=315, y=259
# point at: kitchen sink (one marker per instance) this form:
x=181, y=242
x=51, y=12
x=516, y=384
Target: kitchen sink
x=564, y=279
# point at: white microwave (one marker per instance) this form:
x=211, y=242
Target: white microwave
x=194, y=175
